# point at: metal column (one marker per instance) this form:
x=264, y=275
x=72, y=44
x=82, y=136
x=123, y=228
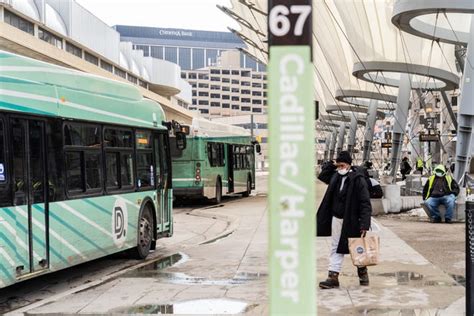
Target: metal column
x=465, y=114
x=332, y=148
x=369, y=129
x=352, y=135
x=326, y=149
x=401, y=117
x=340, y=138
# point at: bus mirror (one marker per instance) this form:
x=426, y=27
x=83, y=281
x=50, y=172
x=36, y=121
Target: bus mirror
x=180, y=140
x=258, y=149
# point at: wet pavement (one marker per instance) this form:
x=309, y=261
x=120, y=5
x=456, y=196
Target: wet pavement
x=226, y=273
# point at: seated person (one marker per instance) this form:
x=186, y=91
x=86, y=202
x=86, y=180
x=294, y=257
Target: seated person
x=440, y=188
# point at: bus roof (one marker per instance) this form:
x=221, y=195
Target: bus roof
x=205, y=128
x=31, y=86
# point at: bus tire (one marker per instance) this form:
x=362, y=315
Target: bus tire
x=145, y=233
x=249, y=187
x=218, y=198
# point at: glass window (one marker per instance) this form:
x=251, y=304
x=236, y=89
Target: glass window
x=55, y=161
x=157, y=52
x=215, y=104
x=105, y=65
x=118, y=138
x=225, y=88
x=225, y=105
x=112, y=167
x=204, y=85
x=145, y=169
x=235, y=72
x=171, y=54
x=75, y=177
x=126, y=169
x=211, y=57
x=185, y=58
x=93, y=171
x=18, y=22
x=82, y=135
x=3, y=169
x=215, y=95
x=203, y=76
x=203, y=102
x=73, y=49
x=198, y=58
x=225, y=97
x=203, y=94
x=257, y=110
x=132, y=79
x=119, y=72
x=91, y=58
x=225, y=80
x=144, y=48
x=143, y=140
x=50, y=38
x=246, y=108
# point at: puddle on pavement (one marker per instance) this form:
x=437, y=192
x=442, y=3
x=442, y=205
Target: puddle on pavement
x=413, y=279
x=152, y=268
x=398, y=312
x=205, y=306
x=216, y=240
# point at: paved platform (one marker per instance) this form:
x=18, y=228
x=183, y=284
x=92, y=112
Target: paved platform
x=229, y=274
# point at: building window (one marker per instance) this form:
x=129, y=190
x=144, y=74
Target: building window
x=144, y=48
x=215, y=79
x=194, y=93
x=18, y=22
x=183, y=75
x=203, y=94
x=143, y=84
x=225, y=80
x=215, y=104
x=225, y=88
x=132, y=79
x=235, y=72
x=245, y=91
x=235, y=107
x=192, y=75
x=256, y=101
x=204, y=85
x=257, y=110
x=245, y=83
x=226, y=72
x=50, y=38
x=225, y=105
x=91, y=58
x=225, y=97
x=235, y=81
x=193, y=84
x=256, y=93
x=211, y=56
x=246, y=108
x=203, y=76
x=234, y=98
x=171, y=54
x=245, y=100
x=235, y=90
x=215, y=96
x=214, y=87
x=185, y=58
x=256, y=85
x=198, y=58
x=203, y=102
x=73, y=49
x=106, y=66
x=156, y=52
x=204, y=111
x=215, y=72
x=119, y=72
x=245, y=73
x=256, y=77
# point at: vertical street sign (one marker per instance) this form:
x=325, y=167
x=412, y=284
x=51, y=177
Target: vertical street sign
x=291, y=143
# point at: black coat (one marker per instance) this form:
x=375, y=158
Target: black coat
x=356, y=214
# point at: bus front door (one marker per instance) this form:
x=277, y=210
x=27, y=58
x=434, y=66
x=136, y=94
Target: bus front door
x=163, y=176
x=31, y=212
x=230, y=168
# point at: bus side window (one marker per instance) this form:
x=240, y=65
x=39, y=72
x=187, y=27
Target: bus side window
x=5, y=196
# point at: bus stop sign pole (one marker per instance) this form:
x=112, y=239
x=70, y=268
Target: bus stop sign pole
x=291, y=143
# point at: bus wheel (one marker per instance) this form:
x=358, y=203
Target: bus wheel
x=218, y=198
x=145, y=234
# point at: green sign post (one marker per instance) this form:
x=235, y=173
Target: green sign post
x=292, y=179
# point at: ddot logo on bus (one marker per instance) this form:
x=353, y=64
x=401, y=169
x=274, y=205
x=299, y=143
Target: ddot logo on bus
x=119, y=223
x=291, y=141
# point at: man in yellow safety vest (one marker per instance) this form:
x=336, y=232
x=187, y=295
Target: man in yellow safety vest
x=440, y=188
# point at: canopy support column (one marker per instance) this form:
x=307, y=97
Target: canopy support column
x=352, y=135
x=340, y=139
x=401, y=117
x=369, y=129
x=332, y=148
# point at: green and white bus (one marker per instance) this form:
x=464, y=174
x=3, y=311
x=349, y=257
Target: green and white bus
x=85, y=169
x=219, y=159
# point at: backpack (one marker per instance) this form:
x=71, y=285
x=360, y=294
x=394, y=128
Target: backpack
x=375, y=190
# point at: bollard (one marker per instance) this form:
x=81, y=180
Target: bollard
x=469, y=257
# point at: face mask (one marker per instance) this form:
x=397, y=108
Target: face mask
x=439, y=174
x=342, y=172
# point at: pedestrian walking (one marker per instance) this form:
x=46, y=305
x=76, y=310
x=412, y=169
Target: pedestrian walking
x=344, y=213
x=419, y=165
x=405, y=168
x=440, y=188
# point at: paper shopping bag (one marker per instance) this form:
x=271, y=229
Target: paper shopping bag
x=365, y=251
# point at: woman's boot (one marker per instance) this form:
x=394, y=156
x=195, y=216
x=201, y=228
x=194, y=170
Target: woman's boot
x=363, y=274
x=331, y=282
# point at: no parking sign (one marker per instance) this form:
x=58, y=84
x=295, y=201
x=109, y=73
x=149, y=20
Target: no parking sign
x=291, y=143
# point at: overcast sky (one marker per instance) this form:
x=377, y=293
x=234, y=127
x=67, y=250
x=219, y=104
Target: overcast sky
x=186, y=14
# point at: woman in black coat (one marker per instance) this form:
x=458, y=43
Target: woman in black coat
x=344, y=213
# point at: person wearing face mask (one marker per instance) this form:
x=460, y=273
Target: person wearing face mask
x=344, y=212
x=440, y=188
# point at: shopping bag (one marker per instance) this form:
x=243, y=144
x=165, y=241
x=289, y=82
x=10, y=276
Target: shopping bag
x=365, y=251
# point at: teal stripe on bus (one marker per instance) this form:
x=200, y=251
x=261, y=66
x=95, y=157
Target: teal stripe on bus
x=71, y=228
x=100, y=208
x=16, y=107
x=12, y=246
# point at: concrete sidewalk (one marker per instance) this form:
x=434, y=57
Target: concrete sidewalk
x=230, y=275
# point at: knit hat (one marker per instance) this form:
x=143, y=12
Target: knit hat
x=344, y=156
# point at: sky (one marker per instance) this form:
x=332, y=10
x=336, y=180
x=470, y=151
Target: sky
x=186, y=14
